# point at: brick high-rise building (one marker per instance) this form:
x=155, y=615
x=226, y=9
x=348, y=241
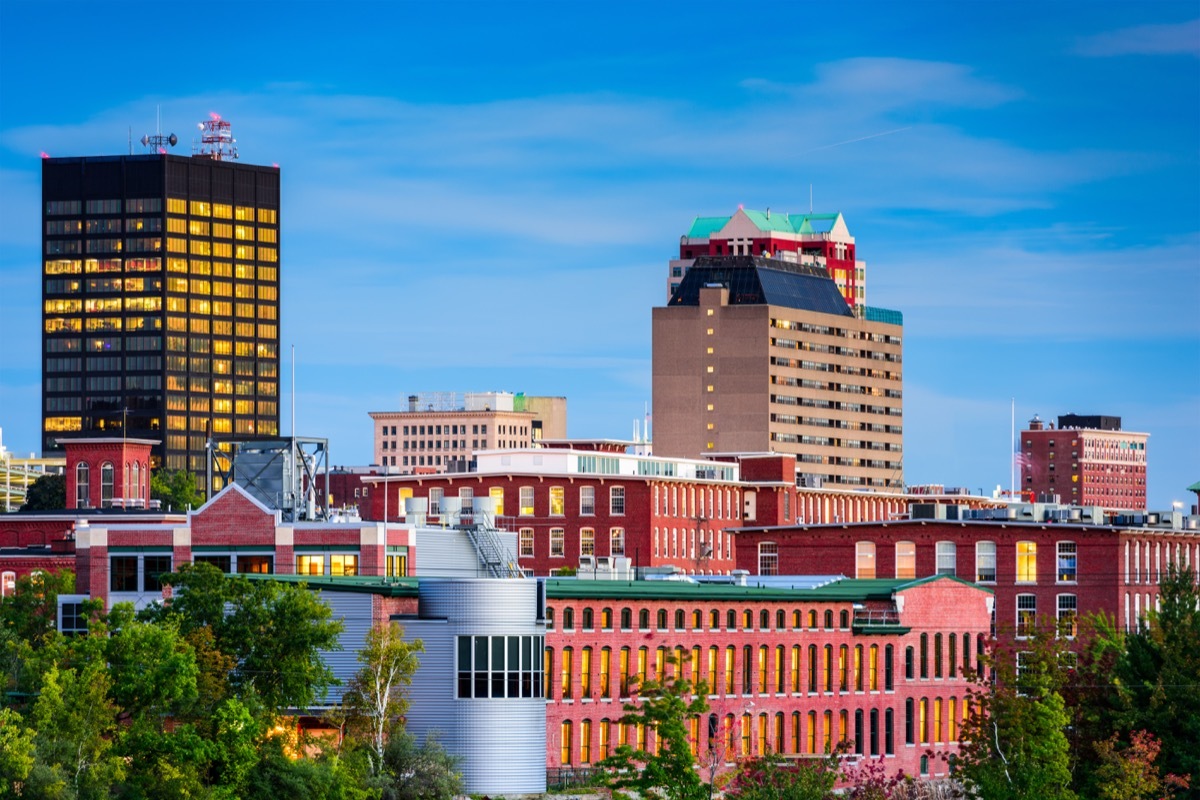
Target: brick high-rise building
x=1088, y=460
x=757, y=354
x=160, y=301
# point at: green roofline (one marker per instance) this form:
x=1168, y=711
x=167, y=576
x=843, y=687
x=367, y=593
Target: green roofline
x=1195, y=487
x=844, y=590
x=361, y=584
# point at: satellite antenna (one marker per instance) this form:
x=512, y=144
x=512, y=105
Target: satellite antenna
x=158, y=142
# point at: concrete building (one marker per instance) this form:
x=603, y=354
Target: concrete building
x=160, y=301
x=817, y=239
x=1087, y=461
x=442, y=431
x=756, y=354
x=1043, y=562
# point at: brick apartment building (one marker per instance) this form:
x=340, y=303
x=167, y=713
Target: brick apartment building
x=1086, y=461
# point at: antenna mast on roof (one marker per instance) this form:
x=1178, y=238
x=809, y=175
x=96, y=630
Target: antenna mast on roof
x=810, y=204
x=216, y=139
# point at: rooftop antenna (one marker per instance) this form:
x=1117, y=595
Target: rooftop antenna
x=216, y=139
x=293, y=391
x=156, y=142
x=810, y=204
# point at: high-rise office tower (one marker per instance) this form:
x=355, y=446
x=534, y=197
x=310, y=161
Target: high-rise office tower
x=757, y=354
x=1088, y=461
x=160, y=315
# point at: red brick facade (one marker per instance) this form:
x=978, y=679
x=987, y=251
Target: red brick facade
x=793, y=671
x=1051, y=570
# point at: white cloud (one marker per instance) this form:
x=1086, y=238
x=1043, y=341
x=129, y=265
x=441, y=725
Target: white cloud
x=1182, y=38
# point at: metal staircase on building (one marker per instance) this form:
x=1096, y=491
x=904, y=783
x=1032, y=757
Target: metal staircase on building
x=497, y=559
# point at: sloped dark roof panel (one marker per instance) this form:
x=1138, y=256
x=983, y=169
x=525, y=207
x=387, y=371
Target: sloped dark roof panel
x=754, y=280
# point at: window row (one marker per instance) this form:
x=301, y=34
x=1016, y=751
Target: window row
x=698, y=619
x=555, y=545
x=748, y=670
x=946, y=561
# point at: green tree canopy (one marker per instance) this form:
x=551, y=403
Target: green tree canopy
x=47, y=493
x=666, y=708
x=178, y=489
x=1015, y=747
x=272, y=632
x=377, y=696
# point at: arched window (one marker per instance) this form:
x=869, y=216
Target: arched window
x=568, y=619
x=549, y=618
x=644, y=619
x=844, y=619
x=679, y=619
x=83, y=497
x=780, y=620
x=588, y=619
x=626, y=619
x=764, y=620
x=864, y=560
x=662, y=619
x=106, y=484
x=812, y=619
x=731, y=619
x=748, y=619
x=714, y=619
x=697, y=619
x=138, y=492
x=828, y=619
x=924, y=655
x=606, y=619
x=8, y=584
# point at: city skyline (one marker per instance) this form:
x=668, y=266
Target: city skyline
x=1022, y=181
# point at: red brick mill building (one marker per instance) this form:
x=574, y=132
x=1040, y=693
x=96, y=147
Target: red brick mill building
x=791, y=669
x=1049, y=563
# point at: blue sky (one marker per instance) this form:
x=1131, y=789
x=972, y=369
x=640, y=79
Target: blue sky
x=484, y=196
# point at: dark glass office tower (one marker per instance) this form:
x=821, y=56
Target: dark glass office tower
x=160, y=301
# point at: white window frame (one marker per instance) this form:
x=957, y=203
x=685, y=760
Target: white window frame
x=984, y=552
x=913, y=546
x=947, y=558
x=615, y=492
x=526, y=509
x=1073, y=610
x=1058, y=561
x=558, y=542
x=1024, y=631
x=768, y=558
x=587, y=501
x=587, y=541
x=864, y=550
x=525, y=545
x=616, y=541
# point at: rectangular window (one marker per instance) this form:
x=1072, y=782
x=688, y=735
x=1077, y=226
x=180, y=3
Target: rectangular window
x=557, y=542
x=152, y=568
x=947, y=558
x=768, y=558
x=1067, y=562
x=864, y=560
x=123, y=574
x=587, y=541
x=616, y=542
x=526, y=540
x=906, y=560
x=1026, y=562
x=616, y=500
x=1068, y=606
x=985, y=562
x=435, y=501
x=557, y=501
x=587, y=500
x=526, y=501
x=1026, y=614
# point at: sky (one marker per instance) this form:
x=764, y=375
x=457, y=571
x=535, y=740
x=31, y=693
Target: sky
x=484, y=196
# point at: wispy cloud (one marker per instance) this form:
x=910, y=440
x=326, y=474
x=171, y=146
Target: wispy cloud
x=1182, y=38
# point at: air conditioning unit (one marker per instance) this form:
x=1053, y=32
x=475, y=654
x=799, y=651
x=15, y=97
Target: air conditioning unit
x=587, y=562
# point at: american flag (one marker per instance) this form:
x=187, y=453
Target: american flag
x=1022, y=460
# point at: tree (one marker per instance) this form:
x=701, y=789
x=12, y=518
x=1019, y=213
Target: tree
x=176, y=489
x=74, y=722
x=269, y=631
x=1129, y=773
x=1015, y=746
x=378, y=692
x=420, y=772
x=773, y=778
x=664, y=708
x=153, y=669
x=30, y=613
x=47, y=493
x=16, y=752
x=1157, y=675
